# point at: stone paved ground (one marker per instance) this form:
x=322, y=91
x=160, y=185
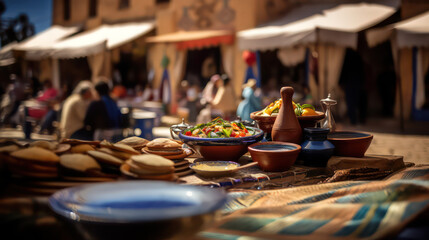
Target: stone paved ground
x=414, y=148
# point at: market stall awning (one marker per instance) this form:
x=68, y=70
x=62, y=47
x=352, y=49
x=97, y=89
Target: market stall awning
x=101, y=38
x=6, y=54
x=338, y=25
x=195, y=39
x=35, y=46
x=413, y=32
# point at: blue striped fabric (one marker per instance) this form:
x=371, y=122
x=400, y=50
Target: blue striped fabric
x=344, y=210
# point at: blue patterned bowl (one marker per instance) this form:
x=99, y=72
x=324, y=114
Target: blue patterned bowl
x=222, y=149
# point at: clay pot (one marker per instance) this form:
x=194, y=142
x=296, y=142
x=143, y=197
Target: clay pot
x=274, y=156
x=350, y=143
x=286, y=128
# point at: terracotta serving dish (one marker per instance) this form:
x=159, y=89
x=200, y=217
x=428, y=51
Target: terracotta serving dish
x=274, y=156
x=222, y=149
x=266, y=122
x=350, y=143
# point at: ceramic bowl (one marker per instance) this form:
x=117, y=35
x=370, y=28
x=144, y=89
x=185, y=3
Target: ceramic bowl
x=222, y=149
x=274, y=156
x=136, y=209
x=350, y=143
x=266, y=122
x=214, y=168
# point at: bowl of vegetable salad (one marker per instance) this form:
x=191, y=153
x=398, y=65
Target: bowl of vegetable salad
x=220, y=139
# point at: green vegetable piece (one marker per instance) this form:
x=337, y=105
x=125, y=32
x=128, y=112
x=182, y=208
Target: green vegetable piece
x=297, y=112
x=307, y=106
x=227, y=132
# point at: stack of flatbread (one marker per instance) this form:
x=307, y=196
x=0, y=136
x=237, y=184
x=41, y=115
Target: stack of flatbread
x=135, y=142
x=33, y=162
x=149, y=166
x=112, y=155
x=171, y=149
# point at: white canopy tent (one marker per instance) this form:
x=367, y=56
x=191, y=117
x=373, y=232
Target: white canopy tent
x=93, y=43
x=99, y=39
x=330, y=29
x=411, y=35
x=413, y=32
x=34, y=47
x=337, y=25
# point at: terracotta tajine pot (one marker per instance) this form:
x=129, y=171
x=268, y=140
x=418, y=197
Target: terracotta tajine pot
x=274, y=156
x=286, y=128
x=350, y=143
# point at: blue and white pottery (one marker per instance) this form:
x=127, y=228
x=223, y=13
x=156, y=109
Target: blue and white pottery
x=316, y=149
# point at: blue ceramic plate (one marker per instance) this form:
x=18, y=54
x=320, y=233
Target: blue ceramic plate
x=259, y=134
x=135, y=201
x=274, y=147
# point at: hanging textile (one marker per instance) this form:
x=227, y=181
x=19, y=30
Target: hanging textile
x=227, y=52
x=291, y=56
x=165, y=87
x=96, y=64
x=422, y=70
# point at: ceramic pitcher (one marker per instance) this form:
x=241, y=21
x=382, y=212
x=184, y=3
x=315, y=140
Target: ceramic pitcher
x=286, y=127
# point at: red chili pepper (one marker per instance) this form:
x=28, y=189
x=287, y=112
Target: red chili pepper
x=188, y=133
x=233, y=134
x=245, y=129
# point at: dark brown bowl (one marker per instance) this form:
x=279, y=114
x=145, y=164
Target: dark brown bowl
x=266, y=122
x=274, y=156
x=350, y=143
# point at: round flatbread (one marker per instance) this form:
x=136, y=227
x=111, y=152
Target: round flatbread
x=37, y=154
x=82, y=148
x=125, y=169
x=106, y=158
x=153, y=162
x=9, y=149
x=77, y=142
x=44, y=144
x=186, y=153
x=163, y=152
x=124, y=148
x=135, y=142
x=30, y=166
x=163, y=144
x=78, y=162
x=118, y=154
x=142, y=171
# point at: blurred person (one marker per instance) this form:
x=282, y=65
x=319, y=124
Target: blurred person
x=225, y=101
x=74, y=110
x=210, y=90
x=48, y=93
x=12, y=99
x=251, y=102
x=103, y=117
x=208, y=94
x=192, y=102
x=49, y=97
x=119, y=91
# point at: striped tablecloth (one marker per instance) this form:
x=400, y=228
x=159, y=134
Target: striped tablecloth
x=343, y=210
